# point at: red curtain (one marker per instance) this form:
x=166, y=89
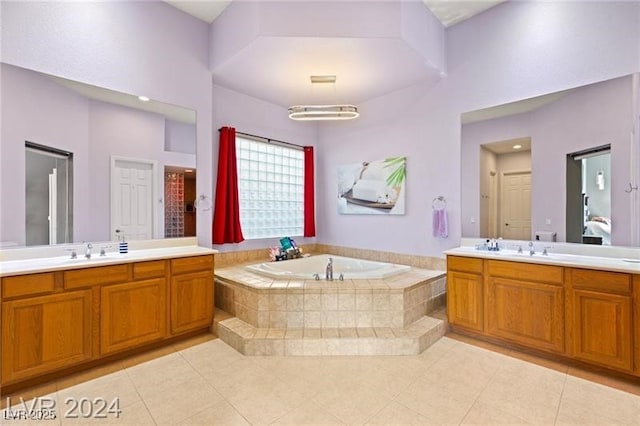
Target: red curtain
x=226, y=216
x=309, y=194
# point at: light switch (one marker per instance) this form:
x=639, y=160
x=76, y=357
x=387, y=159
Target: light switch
x=547, y=221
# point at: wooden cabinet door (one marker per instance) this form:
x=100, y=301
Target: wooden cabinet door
x=42, y=334
x=526, y=312
x=191, y=301
x=601, y=328
x=132, y=314
x=465, y=300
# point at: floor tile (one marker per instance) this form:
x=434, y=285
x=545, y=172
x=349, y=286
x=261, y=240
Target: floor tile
x=453, y=382
x=608, y=403
x=308, y=414
x=482, y=414
x=397, y=414
x=182, y=401
x=161, y=374
x=221, y=413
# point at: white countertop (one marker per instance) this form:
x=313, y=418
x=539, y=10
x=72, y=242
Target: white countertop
x=617, y=264
x=47, y=264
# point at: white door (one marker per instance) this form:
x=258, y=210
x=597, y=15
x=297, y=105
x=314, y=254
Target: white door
x=132, y=194
x=516, y=205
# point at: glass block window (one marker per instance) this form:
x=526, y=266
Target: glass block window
x=271, y=188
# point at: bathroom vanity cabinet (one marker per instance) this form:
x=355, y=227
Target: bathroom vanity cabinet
x=582, y=314
x=57, y=321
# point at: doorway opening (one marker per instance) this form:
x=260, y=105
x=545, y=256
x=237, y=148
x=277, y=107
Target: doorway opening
x=48, y=195
x=505, y=189
x=588, y=218
x=179, y=196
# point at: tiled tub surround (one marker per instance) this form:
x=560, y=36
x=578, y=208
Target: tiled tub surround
x=351, y=317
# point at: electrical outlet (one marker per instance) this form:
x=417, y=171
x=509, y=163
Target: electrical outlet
x=473, y=219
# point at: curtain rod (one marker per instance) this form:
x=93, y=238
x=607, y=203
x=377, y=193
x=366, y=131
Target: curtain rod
x=274, y=141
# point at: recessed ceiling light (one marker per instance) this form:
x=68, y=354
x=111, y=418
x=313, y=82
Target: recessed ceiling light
x=517, y=146
x=143, y=98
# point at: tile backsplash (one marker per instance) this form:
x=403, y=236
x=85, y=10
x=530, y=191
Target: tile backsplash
x=225, y=259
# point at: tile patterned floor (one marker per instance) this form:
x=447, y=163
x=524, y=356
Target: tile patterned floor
x=206, y=382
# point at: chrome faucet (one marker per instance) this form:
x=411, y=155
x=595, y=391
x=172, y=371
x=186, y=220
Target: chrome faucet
x=329, y=271
x=88, y=253
x=532, y=249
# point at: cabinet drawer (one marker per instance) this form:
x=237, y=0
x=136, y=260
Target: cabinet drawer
x=27, y=285
x=91, y=276
x=611, y=282
x=525, y=271
x=191, y=264
x=153, y=269
x=464, y=264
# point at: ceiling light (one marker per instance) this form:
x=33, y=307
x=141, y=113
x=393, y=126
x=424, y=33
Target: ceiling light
x=188, y=171
x=517, y=146
x=143, y=98
x=323, y=112
x=323, y=79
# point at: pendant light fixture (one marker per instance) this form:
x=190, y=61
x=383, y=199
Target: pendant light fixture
x=323, y=112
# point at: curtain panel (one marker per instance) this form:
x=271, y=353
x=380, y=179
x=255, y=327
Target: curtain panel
x=226, y=216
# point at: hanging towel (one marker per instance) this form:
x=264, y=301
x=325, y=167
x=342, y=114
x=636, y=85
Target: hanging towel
x=440, y=226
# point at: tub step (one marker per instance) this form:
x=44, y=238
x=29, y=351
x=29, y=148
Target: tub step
x=250, y=340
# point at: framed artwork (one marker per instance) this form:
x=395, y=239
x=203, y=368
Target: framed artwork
x=372, y=187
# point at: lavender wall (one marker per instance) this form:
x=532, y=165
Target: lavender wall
x=133, y=47
x=179, y=137
x=590, y=116
x=513, y=51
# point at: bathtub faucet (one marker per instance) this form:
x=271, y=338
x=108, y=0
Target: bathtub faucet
x=329, y=271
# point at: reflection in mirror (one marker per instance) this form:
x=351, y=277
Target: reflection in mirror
x=505, y=189
x=48, y=195
x=98, y=126
x=589, y=196
x=499, y=200
x=179, y=196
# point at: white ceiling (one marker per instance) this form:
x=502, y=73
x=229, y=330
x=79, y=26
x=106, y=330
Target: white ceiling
x=449, y=12
x=365, y=67
x=169, y=111
x=518, y=107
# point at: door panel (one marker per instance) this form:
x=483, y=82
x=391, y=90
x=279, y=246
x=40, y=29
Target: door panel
x=516, y=206
x=132, y=207
x=602, y=328
x=42, y=334
x=526, y=312
x=132, y=314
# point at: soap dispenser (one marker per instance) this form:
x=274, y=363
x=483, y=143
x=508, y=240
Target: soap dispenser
x=123, y=246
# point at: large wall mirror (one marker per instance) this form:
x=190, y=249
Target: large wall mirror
x=81, y=162
x=555, y=167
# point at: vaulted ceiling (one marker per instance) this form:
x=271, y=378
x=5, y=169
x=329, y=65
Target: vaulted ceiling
x=276, y=66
